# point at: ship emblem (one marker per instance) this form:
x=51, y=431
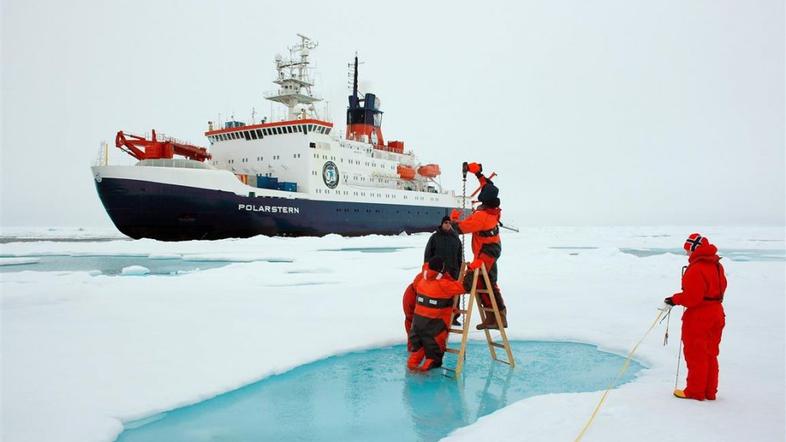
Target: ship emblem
x=330, y=174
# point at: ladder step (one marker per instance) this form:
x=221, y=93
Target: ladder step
x=495, y=344
x=463, y=312
x=504, y=362
x=452, y=350
x=481, y=291
x=487, y=309
x=457, y=330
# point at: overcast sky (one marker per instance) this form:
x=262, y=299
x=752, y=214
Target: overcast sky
x=592, y=112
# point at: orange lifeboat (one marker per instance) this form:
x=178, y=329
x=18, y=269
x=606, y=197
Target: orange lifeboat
x=429, y=170
x=405, y=172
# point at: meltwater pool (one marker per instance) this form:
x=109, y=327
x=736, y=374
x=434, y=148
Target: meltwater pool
x=369, y=395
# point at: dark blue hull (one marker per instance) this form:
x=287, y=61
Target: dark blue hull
x=142, y=209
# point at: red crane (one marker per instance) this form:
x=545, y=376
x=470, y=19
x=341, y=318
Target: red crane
x=144, y=149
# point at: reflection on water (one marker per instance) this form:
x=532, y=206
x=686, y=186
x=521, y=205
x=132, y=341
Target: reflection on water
x=114, y=264
x=370, y=395
x=732, y=254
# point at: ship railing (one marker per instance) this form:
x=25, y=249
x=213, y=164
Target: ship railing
x=180, y=163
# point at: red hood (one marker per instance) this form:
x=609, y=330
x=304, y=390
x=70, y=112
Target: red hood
x=433, y=275
x=705, y=252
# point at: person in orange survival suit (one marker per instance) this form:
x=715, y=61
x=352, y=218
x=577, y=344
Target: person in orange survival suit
x=433, y=315
x=703, y=287
x=408, y=300
x=483, y=224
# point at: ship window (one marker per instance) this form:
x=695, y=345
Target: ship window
x=280, y=130
x=253, y=134
x=265, y=132
x=259, y=133
x=327, y=132
x=312, y=145
x=289, y=129
x=311, y=128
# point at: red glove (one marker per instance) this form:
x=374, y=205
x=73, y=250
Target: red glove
x=474, y=168
x=475, y=264
x=455, y=215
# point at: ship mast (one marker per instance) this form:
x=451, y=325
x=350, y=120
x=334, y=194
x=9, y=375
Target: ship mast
x=294, y=82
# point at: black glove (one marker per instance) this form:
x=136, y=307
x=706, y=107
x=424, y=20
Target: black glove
x=669, y=301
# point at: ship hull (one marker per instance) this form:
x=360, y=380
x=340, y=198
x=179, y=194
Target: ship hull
x=171, y=212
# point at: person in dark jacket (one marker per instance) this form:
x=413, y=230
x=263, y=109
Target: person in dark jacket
x=446, y=244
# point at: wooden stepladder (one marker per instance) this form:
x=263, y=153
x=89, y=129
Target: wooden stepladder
x=466, y=315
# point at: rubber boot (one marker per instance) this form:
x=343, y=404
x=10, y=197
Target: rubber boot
x=429, y=364
x=415, y=358
x=682, y=395
x=491, y=320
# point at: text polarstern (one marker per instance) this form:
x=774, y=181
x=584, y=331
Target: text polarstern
x=268, y=209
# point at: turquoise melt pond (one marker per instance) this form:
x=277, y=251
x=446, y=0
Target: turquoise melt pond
x=370, y=396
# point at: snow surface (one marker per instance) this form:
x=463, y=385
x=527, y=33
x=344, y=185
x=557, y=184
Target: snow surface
x=81, y=354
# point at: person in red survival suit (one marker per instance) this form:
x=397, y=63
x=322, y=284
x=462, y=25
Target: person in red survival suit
x=483, y=224
x=703, y=286
x=433, y=315
x=408, y=300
